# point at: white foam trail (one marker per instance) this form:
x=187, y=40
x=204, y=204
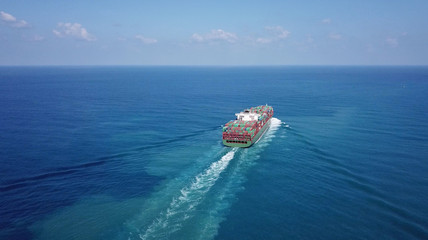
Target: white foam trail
x=182, y=207
x=225, y=197
x=190, y=211
x=274, y=125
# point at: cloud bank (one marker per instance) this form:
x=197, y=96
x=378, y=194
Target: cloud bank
x=215, y=35
x=74, y=30
x=10, y=20
x=146, y=40
x=275, y=33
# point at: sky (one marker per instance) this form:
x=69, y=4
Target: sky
x=232, y=32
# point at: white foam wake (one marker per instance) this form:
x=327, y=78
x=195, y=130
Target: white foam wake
x=182, y=207
x=196, y=210
x=274, y=125
x=224, y=197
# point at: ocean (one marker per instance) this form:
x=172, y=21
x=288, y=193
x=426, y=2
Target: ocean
x=129, y=152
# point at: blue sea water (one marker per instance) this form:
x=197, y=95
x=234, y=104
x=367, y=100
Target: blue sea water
x=136, y=153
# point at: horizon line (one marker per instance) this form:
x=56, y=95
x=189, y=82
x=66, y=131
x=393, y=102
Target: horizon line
x=217, y=65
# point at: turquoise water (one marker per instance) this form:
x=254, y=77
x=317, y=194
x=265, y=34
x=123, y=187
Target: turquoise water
x=136, y=153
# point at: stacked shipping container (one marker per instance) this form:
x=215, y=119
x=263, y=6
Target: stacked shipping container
x=239, y=131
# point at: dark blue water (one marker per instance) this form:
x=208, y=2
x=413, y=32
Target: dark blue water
x=135, y=153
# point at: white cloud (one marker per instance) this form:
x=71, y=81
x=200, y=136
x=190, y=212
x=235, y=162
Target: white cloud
x=198, y=38
x=326, y=21
x=335, y=36
x=264, y=40
x=215, y=35
x=7, y=17
x=222, y=35
x=279, y=32
x=73, y=30
x=146, y=40
x=275, y=33
x=392, y=42
x=12, y=21
x=20, y=24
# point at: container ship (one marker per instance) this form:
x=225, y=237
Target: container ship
x=248, y=128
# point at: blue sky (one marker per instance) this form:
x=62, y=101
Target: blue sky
x=218, y=32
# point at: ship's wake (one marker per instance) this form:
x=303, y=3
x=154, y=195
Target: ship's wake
x=196, y=210
x=182, y=207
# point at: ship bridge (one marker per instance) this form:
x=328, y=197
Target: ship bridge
x=246, y=115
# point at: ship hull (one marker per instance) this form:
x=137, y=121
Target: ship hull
x=245, y=144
